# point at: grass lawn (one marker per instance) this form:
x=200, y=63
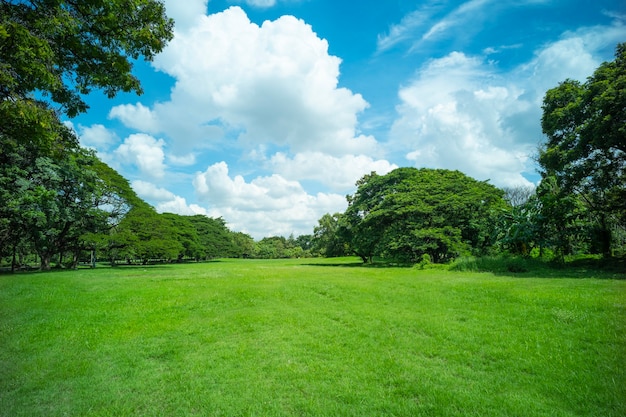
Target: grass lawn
x=309, y=338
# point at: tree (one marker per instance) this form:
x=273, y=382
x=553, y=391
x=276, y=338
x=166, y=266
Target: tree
x=215, y=238
x=243, y=245
x=58, y=51
x=149, y=236
x=185, y=233
x=413, y=212
x=64, y=48
x=272, y=248
x=585, y=150
x=326, y=237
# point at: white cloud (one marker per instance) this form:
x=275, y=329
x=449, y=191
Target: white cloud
x=405, y=29
x=261, y=3
x=149, y=191
x=466, y=11
x=145, y=152
x=136, y=116
x=96, y=136
x=274, y=83
x=164, y=200
x=337, y=173
x=185, y=13
x=461, y=112
x=453, y=115
x=265, y=206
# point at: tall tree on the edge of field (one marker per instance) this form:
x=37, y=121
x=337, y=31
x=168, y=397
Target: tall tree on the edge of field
x=59, y=50
x=410, y=212
x=585, y=151
x=326, y=237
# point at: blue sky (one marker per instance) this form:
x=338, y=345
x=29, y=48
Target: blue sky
x=266, y=112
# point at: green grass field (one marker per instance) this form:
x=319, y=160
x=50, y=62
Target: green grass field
x=309, y=338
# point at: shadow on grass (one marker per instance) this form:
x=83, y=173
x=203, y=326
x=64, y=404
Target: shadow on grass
x=360, y=264
x=613, y=268
x=511, y=266
x=30, y=269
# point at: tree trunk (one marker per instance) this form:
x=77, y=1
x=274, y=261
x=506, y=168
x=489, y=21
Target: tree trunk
x=13, y=259
x=45, y=262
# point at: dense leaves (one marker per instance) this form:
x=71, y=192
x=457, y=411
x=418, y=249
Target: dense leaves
x=63, y=49
x=56, y=198
x=584, y=156
x=412, y=212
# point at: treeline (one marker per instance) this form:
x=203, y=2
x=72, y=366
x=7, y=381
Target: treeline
x=431, y=215
x=579, y=207
x=59, y=202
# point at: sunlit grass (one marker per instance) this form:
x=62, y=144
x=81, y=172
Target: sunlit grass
x=301, y=337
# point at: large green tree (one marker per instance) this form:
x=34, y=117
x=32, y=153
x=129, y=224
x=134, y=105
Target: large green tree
x=585, y=150
x=411, y=212
x=326, y=237
x=64, y=48
x=52, y=52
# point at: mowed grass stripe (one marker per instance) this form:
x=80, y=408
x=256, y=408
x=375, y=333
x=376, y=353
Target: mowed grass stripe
x=283, y=338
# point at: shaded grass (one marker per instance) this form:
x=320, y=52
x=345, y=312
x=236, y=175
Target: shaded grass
x=274, y=338
x=583, y=267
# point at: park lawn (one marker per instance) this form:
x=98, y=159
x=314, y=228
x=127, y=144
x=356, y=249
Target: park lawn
x=309, y=338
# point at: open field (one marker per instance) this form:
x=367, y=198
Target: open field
x=309, y=338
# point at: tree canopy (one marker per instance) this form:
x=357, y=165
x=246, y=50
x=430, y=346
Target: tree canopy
x=52, y=52
x=411, y=212
x=62, y=49
x=585, y=150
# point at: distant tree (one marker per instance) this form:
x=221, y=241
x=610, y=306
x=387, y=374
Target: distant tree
x=305, y=242
x=519, y=195
x=149, y=235
x=216, y=240
x=412, y=212
x=585, y=150
x=273, y=247
x=563, y=222
x=185, y=233
x=327, y=239
x=518, y=228
x=243, y=245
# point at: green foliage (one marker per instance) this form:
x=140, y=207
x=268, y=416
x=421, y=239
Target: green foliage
x=151, y=236
x=326, y=237
x=214, y=238
x=410, y=212
x=63, y=49
x=55, y=197
x=584, y=156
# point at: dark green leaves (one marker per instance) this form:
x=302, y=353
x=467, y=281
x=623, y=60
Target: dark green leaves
x=411, y=212
x=63, y=49
x=585, y=150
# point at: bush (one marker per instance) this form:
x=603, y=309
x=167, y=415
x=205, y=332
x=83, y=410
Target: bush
x=495, y=264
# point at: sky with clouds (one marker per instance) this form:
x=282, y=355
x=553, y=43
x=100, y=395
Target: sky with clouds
x=266, y=112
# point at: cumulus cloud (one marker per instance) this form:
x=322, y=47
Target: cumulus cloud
x=274, y=83
x=97, y=136
x=136, y=116
x=185, y=13
x=164, y=200
x=265, y=206
x=452, y=117
x=461, y=112
x=144, y=152
x=337, y=173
